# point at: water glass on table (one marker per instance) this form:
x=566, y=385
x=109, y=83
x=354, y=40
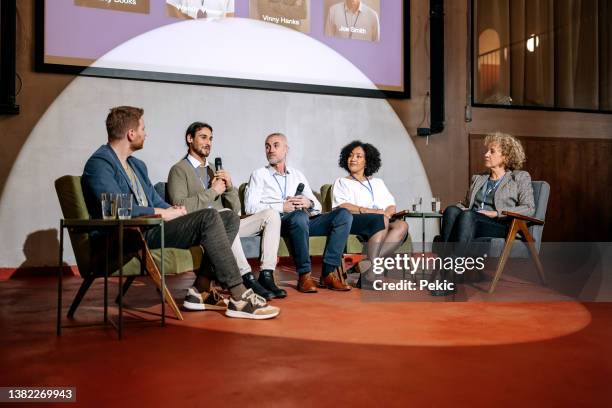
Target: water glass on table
x=416, y=204
x=109, y=206
x=435, y=204
x=124, y=206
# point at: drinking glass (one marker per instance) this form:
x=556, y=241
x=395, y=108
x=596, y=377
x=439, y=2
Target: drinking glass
x=124, y=206
x=435, y=204
x=416, y=204
x=109, y=205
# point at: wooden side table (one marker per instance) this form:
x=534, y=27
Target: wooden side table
x=89, y=225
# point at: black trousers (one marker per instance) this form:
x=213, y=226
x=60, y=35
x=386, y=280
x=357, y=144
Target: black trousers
x=464, y=226
x=214, y=231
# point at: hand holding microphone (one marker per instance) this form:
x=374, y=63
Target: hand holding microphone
x=299, y=201
x=222, y=174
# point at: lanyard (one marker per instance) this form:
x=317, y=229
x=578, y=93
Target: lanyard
x=485, y=192
x=195, y=170
x=370, y=189
x=354, y=23
x=283, y=192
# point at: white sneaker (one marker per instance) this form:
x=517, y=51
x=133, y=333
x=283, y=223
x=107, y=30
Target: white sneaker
x=204, y=301
x=251, y=306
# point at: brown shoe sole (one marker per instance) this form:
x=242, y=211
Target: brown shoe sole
x=330, y=287
x=300, y=289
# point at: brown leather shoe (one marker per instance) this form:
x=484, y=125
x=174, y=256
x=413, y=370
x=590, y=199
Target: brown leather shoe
x=306, y=284
x=332, y=282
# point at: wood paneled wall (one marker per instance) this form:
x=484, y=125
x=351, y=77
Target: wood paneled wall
x=579, y=172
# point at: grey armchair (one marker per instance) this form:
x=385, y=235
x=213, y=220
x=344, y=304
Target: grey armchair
x=529, y=230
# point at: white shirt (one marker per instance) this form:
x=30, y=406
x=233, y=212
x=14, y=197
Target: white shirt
x=373, y=195
x=268, y=189
x=212, y=8
x=195, y=162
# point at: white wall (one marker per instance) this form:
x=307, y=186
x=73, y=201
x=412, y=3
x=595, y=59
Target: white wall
x=317, y=125
x=73, y=127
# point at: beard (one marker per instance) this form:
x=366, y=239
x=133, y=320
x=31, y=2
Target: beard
x=203, y=152
x=274, y=160
x=137, y=145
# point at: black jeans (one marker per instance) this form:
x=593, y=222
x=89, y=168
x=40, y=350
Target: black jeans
x=464, y=226
x=213, y=230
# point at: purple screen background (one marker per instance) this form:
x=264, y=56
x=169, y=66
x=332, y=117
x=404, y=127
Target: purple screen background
x=84, y=32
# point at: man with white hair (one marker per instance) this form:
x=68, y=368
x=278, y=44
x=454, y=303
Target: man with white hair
x=273, y=186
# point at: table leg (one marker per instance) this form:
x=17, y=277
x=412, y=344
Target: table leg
x=423, y=243
x=120, y=317
x=59, y=279
x=163, y=279
x=106, y=268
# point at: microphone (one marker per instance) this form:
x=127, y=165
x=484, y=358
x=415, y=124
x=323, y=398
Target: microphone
x=300, y=189
x=218, y=164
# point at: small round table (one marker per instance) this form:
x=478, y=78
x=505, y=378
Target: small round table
x=423, y=216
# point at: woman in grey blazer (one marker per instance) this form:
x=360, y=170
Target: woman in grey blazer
x=504, y=187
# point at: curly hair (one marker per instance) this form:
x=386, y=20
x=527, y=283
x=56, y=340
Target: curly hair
x=372, y=157
x=511, y=148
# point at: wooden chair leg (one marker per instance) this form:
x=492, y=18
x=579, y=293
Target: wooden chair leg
x=341, y=270
x=80, y=294
x=154, y=273
x=530, y=242
x=514, y=228
x=151, y=268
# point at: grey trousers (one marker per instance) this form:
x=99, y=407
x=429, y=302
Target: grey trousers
x=268, y=223
x=212, y=230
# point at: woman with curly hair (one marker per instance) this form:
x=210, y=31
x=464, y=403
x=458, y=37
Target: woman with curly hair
x=369, y=200
x=504, y=187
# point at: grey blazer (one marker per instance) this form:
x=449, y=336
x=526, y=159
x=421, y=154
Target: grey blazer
x=514, y=193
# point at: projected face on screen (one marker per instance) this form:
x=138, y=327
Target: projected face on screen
x=200, y=8
x=294, y=14
x=354, y=19
x=368, y=34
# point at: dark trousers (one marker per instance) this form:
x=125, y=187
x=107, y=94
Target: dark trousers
x=465, y=226
x=214, y=231
x=297, y=226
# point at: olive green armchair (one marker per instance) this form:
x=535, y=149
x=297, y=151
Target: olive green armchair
x=90, y=255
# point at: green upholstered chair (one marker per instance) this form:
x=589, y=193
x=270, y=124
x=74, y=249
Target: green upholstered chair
x=90, y=257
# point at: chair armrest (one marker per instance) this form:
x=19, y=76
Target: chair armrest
x=523, y=217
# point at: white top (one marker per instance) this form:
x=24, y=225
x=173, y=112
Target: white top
x=212, y=8
x=373, y=195
x=268, y=189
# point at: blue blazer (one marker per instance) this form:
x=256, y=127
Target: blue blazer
x=104, y=174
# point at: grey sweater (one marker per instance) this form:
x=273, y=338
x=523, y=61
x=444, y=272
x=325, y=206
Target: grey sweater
x=185, y=188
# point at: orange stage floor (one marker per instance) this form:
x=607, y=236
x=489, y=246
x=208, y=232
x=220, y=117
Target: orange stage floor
x=325, y=349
